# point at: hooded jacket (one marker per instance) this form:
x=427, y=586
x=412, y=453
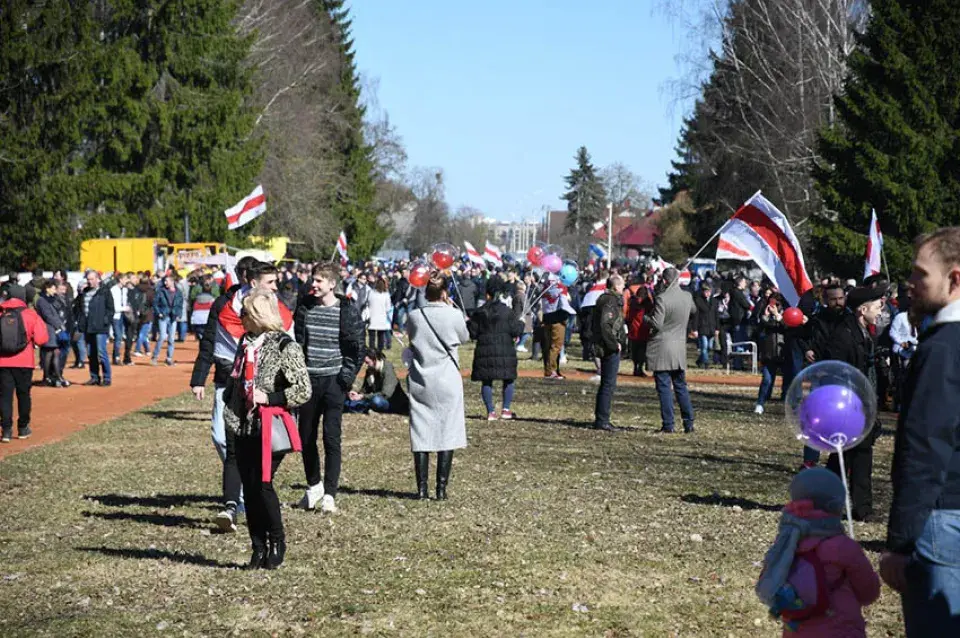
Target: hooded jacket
x=36, y=331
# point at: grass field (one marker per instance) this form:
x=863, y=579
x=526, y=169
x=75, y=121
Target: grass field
x=551, y=529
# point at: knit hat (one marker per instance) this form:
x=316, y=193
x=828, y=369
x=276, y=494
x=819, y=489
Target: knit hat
x=821, y=486
x=16, y=291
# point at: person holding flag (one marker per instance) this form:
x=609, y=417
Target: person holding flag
x=874, y=248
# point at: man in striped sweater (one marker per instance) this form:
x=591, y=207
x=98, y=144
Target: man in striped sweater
x=329, y=328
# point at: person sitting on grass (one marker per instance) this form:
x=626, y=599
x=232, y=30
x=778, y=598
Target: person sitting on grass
x=382, y=391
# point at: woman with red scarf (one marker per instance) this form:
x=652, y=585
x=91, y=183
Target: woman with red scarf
x=269, y=378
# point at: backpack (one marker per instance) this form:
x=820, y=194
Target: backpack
x=13, y=332
x=805, y=594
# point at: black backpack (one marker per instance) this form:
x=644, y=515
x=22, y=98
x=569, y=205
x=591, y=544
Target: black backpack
x=13, y=332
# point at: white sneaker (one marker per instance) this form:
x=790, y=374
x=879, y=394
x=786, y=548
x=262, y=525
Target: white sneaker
x=138, y=354
x=758, y=409
x=595, y=378
x=311, y=497
x=327, y=505
x=227, y=521
x=522, y=349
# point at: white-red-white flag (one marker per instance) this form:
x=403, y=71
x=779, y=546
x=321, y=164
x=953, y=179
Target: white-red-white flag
x=342, y=245
x=249, y=208
x=493, y=255
x=874, y=248
x=590, y=297
x=760, y=232
x=474, y=255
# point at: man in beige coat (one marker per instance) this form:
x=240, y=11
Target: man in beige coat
x=667, y=349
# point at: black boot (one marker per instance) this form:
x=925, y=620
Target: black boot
x=421, y=463
x=276, y=553
x=444, y=462
x=258, y=559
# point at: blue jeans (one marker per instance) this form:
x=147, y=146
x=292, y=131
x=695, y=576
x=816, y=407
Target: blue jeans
x=769, y=373
x=167, y=328
x=99, y=356
x=678, y=379
x=486, y=393
x=523, y=339
x=400, y=316
x=143, y=339
x=609, y=366
x=182, y=330
x=706, y=349
x=377, y=403
x=931, y=604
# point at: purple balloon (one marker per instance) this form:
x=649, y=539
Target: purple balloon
x=551, y=263
x=832, y=414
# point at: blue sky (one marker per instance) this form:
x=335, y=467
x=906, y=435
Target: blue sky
x=500, y=94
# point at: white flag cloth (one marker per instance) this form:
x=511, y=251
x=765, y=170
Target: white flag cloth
x=874, y=248
x=474, y=255
x=760, y=232
x=593, y=293
x=492, y=254
x=249, y=208
x=342, y=245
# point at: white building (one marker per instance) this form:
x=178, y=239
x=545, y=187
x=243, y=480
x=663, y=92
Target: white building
x=514, y=237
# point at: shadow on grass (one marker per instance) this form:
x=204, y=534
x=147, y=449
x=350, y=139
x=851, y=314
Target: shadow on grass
x=177, y=415
x=408, y=496
x=159, y=554
x=712, y=458
x=729, y=501
x=157, y=500
x=163, y=520
x=570, y=423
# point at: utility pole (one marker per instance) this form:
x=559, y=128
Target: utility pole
x=609, y=234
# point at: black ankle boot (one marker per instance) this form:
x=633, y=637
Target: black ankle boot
x=258, y=559
x=421, y=463
x=444, y=462
x=278, y=549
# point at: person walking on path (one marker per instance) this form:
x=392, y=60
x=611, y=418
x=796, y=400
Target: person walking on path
x=495, y=328
x=923, y=533
x=269, y=378
x=329, y=328
x=167, y=306
x=607, y=320
x=94, y=309
x=667, y=350
x=437, y=415
x=20, y=330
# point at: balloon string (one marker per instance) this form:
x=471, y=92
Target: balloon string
x=846, y=489
x=459, y=296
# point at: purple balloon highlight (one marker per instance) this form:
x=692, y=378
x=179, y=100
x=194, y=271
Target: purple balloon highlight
x=831, y=415
x=551, y=263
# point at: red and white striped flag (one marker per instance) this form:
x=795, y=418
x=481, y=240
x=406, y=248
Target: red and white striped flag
x=342, y=245
x=874, y=248
x=591, y=296
x=492, y=254
x=249, y=208
x=473, y=254
x=760, y=232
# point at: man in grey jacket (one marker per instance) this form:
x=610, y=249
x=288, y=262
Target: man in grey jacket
x=667, y=349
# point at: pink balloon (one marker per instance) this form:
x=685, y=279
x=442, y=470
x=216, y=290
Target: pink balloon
x=551, y=263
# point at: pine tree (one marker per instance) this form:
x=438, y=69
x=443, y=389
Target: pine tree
x=586, y=200
x=896, y=146
x=354, y=200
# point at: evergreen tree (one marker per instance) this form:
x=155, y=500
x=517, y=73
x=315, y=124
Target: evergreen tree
x=896, y=146
x=586, y=200
x=354, y=198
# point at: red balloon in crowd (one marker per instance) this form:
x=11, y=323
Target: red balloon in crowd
x=419, y=275
x=535, y=254
x=793, y=317
x=443, y=255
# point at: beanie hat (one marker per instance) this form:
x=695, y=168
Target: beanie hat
x=821, y=486
x=16, y=291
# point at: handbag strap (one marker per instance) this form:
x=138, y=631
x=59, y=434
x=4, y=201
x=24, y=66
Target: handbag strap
x=442, y=342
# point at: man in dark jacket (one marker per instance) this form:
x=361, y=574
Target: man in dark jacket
x=739, y=315
x=852, y=343
x=94, y=312
x=329, y=329
x=924, y=529
x=707, y=323
x=607, y=319
x=467, y=295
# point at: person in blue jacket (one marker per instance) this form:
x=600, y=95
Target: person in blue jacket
x=167, y=308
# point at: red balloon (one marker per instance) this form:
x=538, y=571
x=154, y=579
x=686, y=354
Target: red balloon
x=419, y=276
x=793, y=317
x=442, y=260
x=535, y=255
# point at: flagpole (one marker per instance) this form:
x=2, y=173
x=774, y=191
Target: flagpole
x=704, y=247
x=883, y=253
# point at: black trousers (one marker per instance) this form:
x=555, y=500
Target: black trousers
x=859, y=464
x=263, y=505
x=15, y=381
x=50, y=364
x=232, y=481
x=609, y=365
x=325, y=404
x=638, y=353
x=377, y=339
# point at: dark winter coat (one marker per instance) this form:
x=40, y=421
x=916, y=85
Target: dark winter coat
x=494, y=328
x=147, y=294
x=708, y=315
x=100, y=316
x=607, y=320
x=771, y=341
x=468, y=294
x=739, y=306
x=50, y=313
x=849, y=344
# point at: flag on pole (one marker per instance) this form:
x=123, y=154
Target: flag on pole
x=474, y=255
x=874, y=247
x=492, y=254
x=342, y=245
x=598, y=251
x=590, y=297
x=760, y=232
x=249, y=208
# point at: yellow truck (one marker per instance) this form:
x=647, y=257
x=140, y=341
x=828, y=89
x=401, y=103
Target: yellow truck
x=123, y=254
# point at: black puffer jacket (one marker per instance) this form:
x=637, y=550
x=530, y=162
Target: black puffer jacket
x=494, y=328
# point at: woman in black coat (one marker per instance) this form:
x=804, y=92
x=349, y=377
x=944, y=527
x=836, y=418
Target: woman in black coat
x=495, y=329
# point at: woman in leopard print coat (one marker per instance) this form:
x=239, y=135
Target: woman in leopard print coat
x=269, y=371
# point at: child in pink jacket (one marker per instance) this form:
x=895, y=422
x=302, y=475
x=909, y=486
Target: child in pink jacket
x=815, y=578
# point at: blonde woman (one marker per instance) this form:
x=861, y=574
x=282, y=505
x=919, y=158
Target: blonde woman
x=269, y=378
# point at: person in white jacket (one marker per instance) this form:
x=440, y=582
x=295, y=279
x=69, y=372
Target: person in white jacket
x=379, y=311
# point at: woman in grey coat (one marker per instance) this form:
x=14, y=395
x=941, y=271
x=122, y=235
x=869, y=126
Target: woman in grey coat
x=437, y=417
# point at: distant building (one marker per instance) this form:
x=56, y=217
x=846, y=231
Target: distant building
x=514, y=237
x=631, y=236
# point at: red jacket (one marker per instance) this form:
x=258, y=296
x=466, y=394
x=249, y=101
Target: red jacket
x=36, y=336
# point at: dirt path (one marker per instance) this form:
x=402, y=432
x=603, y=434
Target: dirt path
x=59, y=412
